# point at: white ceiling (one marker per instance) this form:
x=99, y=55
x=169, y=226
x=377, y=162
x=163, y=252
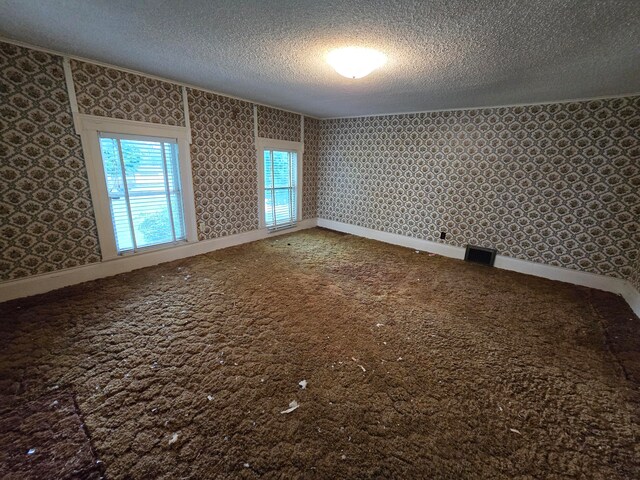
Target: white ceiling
x=442, y=53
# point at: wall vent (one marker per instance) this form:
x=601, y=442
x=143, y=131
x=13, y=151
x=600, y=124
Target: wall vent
x=482, y=255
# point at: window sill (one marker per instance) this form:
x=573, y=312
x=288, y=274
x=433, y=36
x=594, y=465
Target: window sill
x=152, y=248
x=281, y=227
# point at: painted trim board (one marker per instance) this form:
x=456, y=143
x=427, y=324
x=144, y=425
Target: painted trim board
x=47, y=282
x=632, y=296
x=576, y=277
x=52, y=281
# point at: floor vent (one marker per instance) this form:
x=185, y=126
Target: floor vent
x=484, y=256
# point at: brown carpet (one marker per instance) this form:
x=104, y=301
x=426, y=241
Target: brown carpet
x=45, y=438
x=417, y=366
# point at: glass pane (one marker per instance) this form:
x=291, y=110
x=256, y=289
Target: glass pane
x=281, y=169
x=268, y=207
x=116, y=194
x=147, y=192
x=294, y=205
x=282, y=206
x=121, y=225
x=294, y=169
x=268, y=178
x=173, y=180
x=151, y=221
x=294, y=183
x=178, y=218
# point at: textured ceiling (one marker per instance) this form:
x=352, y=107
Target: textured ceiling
x=442, y=53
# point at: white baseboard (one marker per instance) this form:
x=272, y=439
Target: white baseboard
x=576, y=277
x=395, y=239
x=632, y=296
x=51, y=281
x=46, y=282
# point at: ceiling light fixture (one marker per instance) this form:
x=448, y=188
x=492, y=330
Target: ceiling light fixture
x=355, y=62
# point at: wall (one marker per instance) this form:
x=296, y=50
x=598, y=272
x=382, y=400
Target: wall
x=47, y=220
x=634, y=276
x=556, y=184
x=107, y=92
x=223, y=157
x=277, y=124
x=311, y=167
x=47, y=217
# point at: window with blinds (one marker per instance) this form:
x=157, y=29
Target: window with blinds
x=280, y=186
x=143, y=184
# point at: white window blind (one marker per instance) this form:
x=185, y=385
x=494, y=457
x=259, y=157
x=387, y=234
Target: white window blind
x=280, y=178
x=143, y=185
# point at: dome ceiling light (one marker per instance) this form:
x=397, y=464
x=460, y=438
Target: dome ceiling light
x=355, y=62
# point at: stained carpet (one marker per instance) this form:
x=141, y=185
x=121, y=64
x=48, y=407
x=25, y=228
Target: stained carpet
x=416, y=366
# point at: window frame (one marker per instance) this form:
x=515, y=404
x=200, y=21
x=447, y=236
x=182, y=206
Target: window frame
x=90, y=128
x=263, y=144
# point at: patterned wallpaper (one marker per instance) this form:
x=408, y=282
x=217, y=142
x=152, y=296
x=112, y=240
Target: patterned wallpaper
x=556, y=184
x=634, y=276
x=45, y=204
x=108, y=92
x=311, y=163
x=278, y=124
x=45, y=193
x=224, y=164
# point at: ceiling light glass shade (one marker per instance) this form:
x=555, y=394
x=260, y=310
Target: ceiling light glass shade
x=355, y=62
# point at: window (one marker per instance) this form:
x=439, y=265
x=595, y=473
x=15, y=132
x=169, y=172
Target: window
x=143, y=187
x=280, y=173
x=140, y=179
x=280, y=178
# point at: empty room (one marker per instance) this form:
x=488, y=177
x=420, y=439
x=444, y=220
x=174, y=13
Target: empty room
x=341, y=239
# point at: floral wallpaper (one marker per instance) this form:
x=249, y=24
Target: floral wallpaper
x=556, y=184
x=634, y=276
x=224, y=164
x=311, y=163
x=278, y=124
x=45, y=204
x=107, y=92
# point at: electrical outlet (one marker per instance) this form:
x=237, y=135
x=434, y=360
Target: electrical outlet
x=443, y=235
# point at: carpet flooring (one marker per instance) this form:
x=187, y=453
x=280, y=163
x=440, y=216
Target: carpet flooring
x=414, y=366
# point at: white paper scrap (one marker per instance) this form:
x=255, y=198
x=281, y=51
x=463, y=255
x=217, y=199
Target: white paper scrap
x=292, y=406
